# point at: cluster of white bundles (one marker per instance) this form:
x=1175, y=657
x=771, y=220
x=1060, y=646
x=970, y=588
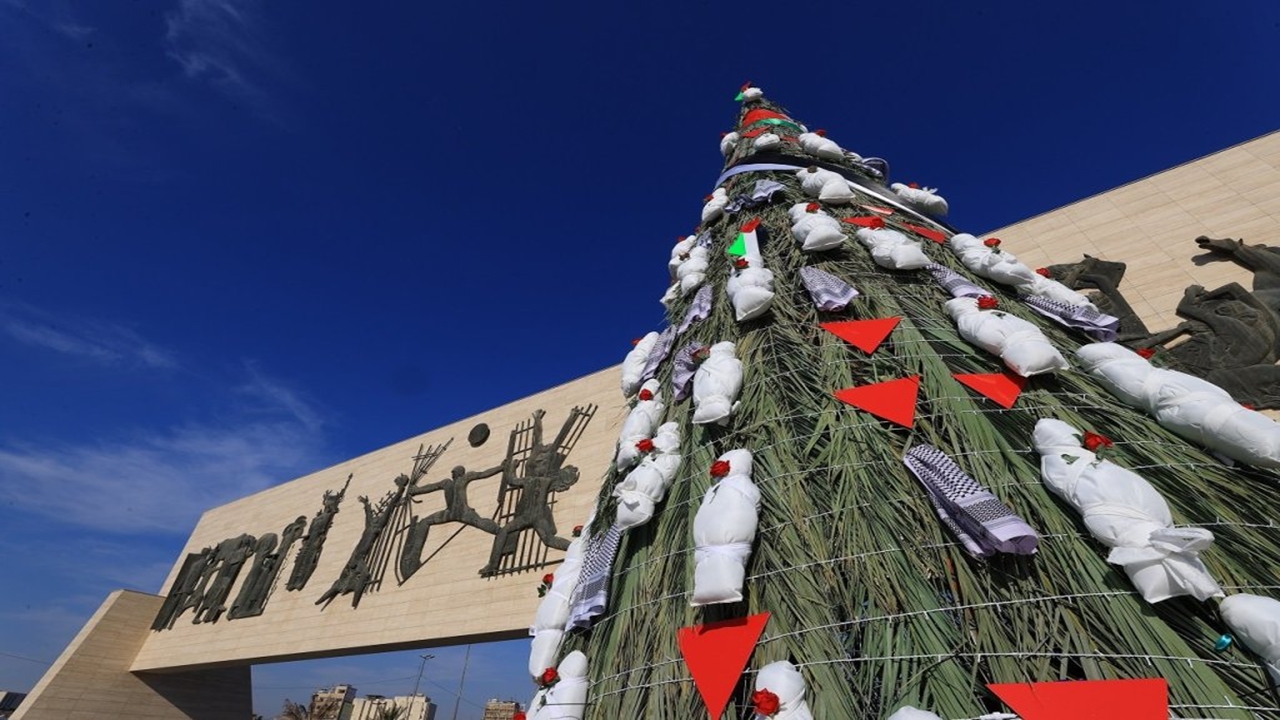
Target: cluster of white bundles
x=1020, y=344
x=1005, y=268
x=633, y=364
x=926, y=200
x=566, y=698
x=728, y=142
x=814, y=229
x=716, y=384
x=646, y=485
x=750, y=288
x=1255, y=620
x=680, y=253
x=640, y=424
x=827, y=186
x=766, y=141
x=816, y=143
x=891, y=249
x=714, y=208
x=723, y=531
x=553, y=612
x=783, y=679
x=1125, y=513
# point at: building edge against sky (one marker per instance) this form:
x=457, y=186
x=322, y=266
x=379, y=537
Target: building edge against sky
x=1149, y=224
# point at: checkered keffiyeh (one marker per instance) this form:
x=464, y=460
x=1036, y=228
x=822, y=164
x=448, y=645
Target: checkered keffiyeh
x=829, y=293
x=660, y=350
x=698, y=310
x=591, y=595
x=953, y=282
x=1086, y=318
x=761, y=194
x=682, y=375
x=979, y=520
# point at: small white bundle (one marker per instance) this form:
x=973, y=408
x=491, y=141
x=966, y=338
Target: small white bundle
x=1024, y=349
x=750, y=289
x=893, y=250
x=766, y=141
x=716, y=384
x=1255, y=620
x=1128, y=515
x=926, y=200
x=1005, y=268
x=908, y=712
x=751, y=93
x=814, y=229
x=646, y=486
x=817, y=144
x=723, y=531
x=1185, y=405
x=827, y=186
x=633, y=364
x=566, y=699
x=680, y=253
x=714, y=208
x=728, y=142
x=640, y=424
x=783, y=679
x=693, y=270
x=553, y=611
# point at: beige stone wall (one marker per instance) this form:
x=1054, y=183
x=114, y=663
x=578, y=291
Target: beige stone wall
x=446, y=601
x=1151, y=224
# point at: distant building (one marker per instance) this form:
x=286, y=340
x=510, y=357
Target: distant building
x=9, y=702
x=372, y=707
x=332, y=703
x=501, y=709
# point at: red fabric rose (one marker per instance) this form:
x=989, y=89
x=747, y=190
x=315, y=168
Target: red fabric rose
x=635, y=341
x=746, y=85
x=708, y=198
x=741, y=263
x=1093, y=441
x=577, y=531
x=820, y=132
x=720, y=468
x=1044, y=272
x=876, y=223
x=645, y=445
x=646, y=394
x=1247, y=406
x=913, y=186
x=812, y=207
x=992, y=242
x=766, y=702
x=1147, y=353
x=518, y=716
x=548, y=578
x=548, y=677
x=986, y=302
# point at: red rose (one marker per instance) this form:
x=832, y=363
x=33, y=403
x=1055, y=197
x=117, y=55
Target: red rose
x=1044, y=272
x=812, y=207
x=518, y=716
x=548, y=578
x=680, y=238
x=645, y=445
x=992, y=242
x=708, y=198
x=701, y=354
x=986, y=302
x=577, y=531
x=820, y=132
x=548, y=677
x=745, y=86
x=635, y=341
x=876, y=223
x=741, y=263
x=1247, y=406
x=646, y=394
x=720, y=468
x=1093, y=441
x=1147, y=353
x=766, y=702
x=913, y=186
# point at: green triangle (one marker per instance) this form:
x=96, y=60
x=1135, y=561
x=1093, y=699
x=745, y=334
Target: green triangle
x=739, y=98
x=739, y=246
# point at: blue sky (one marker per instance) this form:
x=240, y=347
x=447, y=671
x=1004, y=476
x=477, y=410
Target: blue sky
x=240, y=240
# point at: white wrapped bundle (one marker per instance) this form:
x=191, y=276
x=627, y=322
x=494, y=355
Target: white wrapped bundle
x=680, y=253
x=1126, y=514
x=633, y=364
x=646, y=486
x=814, y=229
x=714, y=208
x=908, y=712
x=893, y=250
x=783, y=679
x=553, y=612
x=823, y=147
x=728, y=142
x=1005, y=268
x=723, y=531
x=1024, y=349
x=692, y=271
x=926, y=200
x=750, y=289
x=766, y=141
x=1185, y=405
x=567, y=698
x=1255, y=620
x=716, y=385
x=639, y=425
x=752, y=93
x=827, y=186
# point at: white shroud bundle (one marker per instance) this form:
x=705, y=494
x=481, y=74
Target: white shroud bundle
x=728, y=142
x=646, y=486
x=553, y=612
x=893, y=250
x=827, y=186
x=723, y=531
x=633, y=364
x=639, y=425
x=1020, y=344
x=821, y=146
x=714, y=208
x=692, y=270
x=1005, y=268
x=567, y=698
x=1126, y=514
x=1185, y=405
x=680, y=253
x=716, y=385
x=907, y=712
x=1255, y=620
x=926, y=200
x=783, y=679
x=765, y=141
x=750, y=289
x=814, y=230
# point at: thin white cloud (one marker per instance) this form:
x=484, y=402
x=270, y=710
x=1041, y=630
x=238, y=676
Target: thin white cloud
x=107, y=343
x=74, y=31
x=222, y=42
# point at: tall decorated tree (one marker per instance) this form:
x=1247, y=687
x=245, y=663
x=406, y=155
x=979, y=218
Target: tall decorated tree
x=874, y=464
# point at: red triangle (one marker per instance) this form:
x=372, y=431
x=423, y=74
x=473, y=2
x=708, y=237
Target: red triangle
x=757, y=115
x=930, y=233
x=1001, y=388
x=1145, y=699
x=866, y=335
x=878, y=209
x=868, y=222
x=894, y=400
x=717, y=653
